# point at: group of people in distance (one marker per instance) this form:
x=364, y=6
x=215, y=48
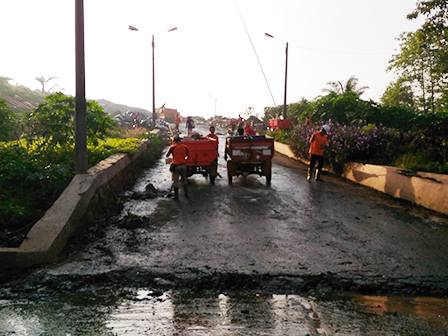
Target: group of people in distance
x=180, y=154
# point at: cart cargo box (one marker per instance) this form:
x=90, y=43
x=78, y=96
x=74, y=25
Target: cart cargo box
x=250, y=149
x=249, y=155
x=280, y=124
x=203, y=154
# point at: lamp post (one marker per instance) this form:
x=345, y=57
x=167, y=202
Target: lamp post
x=153, y=77
x=216, y=103
x=286, y=72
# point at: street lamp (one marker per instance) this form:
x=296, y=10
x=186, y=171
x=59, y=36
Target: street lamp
x=286, y=72
x=216, y=103
x=153, y=77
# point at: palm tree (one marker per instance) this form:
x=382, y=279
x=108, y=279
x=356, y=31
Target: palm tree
x=44, y=81
x=350, y=86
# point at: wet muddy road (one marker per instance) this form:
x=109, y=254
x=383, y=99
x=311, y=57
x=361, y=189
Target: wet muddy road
x=292, y=258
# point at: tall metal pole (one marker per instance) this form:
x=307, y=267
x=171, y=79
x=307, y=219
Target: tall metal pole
x=80, y=102
x=153, y=88
x=286, y=81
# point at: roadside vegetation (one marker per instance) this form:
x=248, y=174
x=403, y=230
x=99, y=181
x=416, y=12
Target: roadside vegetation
x=35, y=169
x=407, y=129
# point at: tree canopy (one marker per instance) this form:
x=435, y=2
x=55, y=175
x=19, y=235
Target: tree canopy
x=53, y=123
x=422, y=64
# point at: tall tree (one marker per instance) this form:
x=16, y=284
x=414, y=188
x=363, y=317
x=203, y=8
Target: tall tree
x=398, y=93
x=423, y=59
x=7, y=121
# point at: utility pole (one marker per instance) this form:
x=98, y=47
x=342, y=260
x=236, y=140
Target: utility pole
x=81, y=109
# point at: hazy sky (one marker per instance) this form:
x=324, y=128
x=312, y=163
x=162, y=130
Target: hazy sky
x=209, y=59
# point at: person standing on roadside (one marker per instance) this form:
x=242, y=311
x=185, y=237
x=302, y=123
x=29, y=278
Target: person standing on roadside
x=178, y=165
x=317, y=143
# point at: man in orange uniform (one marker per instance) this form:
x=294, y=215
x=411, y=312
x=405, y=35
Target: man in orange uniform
x=318, y=142
x=249, y=131
x=212, y=135
x=240, y=120
x=232, y=124
x=178, y=165
x=177, y=122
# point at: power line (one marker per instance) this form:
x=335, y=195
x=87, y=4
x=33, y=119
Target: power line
x=253, y=47
x=340, y=52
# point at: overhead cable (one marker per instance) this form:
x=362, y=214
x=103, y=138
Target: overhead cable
x=253, y=47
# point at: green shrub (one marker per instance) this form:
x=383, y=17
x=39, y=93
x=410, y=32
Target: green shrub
x=421, y=161
x=32, y=177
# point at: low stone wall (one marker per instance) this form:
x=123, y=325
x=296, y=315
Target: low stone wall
x=79, y=204
x=425, y=189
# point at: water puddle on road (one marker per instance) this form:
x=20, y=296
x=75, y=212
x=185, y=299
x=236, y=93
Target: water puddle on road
x=145, y=312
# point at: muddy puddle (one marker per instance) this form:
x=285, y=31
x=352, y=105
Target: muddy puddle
x=150, y=312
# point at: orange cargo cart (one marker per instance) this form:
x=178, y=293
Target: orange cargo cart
x=279, y=124
x=203, y=158
x=249, y=155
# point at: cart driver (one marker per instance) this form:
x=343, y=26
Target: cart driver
x=178, y=166
x=212, y=135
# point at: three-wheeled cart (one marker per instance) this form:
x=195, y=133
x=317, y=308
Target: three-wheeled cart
x=249, y=155
x=203, y=158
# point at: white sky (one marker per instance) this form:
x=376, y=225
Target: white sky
x=209, y=58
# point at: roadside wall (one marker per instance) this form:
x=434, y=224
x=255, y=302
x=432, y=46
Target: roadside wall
x=425, y=189
x=80, y=203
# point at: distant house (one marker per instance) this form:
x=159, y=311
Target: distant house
x=168, y=114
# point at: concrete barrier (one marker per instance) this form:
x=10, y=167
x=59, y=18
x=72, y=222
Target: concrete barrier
x=78, y=204
x=425, y=189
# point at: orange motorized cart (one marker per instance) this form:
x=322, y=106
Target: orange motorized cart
x=279, y=124
x=249, y=155
x=203, y=158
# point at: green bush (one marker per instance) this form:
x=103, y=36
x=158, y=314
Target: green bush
x=32, y=177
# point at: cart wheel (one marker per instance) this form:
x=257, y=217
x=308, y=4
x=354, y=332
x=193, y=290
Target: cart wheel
x=229, y=178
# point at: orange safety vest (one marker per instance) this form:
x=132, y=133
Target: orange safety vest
x=179, y=151
x=212, y=136
x=318, y=142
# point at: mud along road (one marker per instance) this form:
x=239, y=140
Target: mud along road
x=292, y=258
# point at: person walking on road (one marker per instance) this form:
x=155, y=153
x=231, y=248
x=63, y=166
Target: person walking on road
x=177, y=122
x=189, y=125
x=232, y=124
x=240, y=120
x=317, y=143
x=178, y=165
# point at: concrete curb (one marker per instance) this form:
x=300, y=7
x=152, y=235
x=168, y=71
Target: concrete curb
x=425, y=189
x=77, y=204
